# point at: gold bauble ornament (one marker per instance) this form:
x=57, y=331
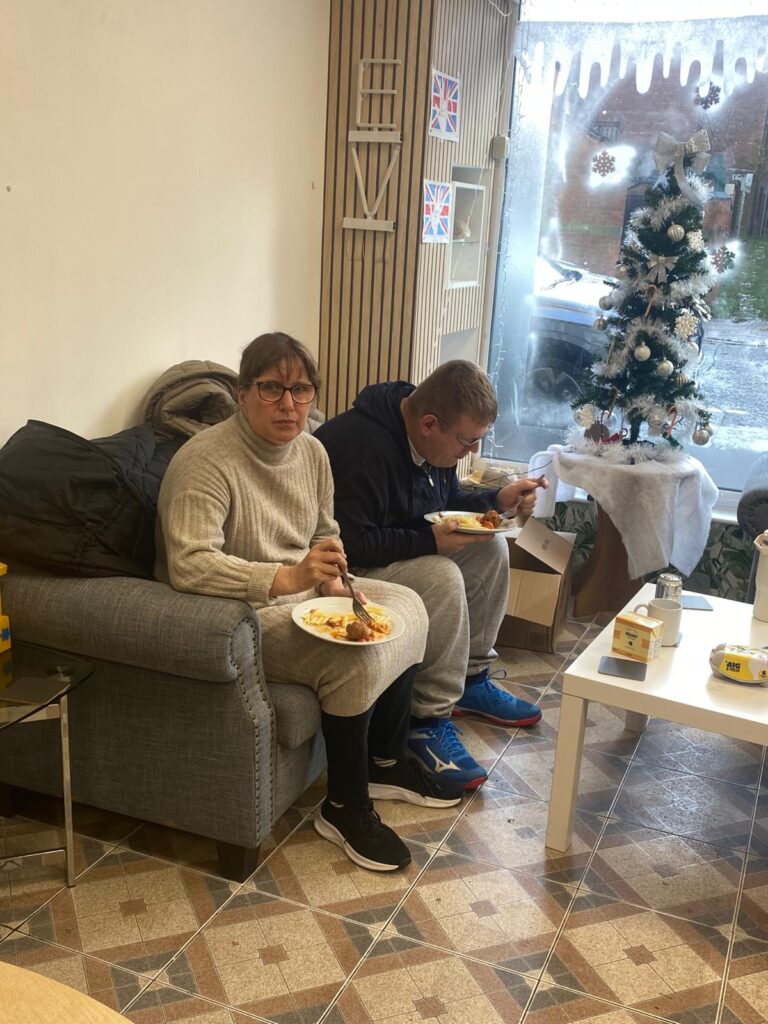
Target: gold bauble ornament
x=642, y=352
x=701, y=435
x=600, y=324
x=676, y=232
x=665, y=367
x=681, y=379
x=605, y=302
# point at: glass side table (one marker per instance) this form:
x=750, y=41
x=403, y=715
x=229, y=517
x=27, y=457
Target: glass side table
x=35, y=683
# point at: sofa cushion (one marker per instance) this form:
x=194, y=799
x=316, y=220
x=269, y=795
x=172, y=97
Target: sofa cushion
x=297, y=711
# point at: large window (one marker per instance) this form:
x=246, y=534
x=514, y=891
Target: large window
x=590, y=100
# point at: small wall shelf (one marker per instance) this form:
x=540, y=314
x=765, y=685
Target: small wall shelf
x=465, y=250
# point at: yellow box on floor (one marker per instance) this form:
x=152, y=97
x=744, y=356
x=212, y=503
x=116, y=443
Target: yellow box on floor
x=539, y=585
x=637, y=636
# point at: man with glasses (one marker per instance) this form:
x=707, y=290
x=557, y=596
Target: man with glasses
x=394, y=456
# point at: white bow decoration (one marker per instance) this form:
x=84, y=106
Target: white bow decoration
x=669, y=151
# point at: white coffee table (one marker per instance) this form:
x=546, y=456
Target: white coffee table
x=679, y=687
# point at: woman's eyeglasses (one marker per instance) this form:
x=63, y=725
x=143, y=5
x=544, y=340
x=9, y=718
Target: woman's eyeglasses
x=271, y=391
x=465, y=442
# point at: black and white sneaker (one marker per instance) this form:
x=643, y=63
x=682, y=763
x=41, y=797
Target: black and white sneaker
x=360, y=833
x=409, y=782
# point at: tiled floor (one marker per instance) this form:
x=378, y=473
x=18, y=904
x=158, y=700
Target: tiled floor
x=659, y=910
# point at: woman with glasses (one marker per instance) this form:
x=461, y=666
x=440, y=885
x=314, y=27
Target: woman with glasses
x=246, y=511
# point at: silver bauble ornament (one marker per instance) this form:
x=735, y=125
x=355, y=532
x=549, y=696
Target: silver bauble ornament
x=692, y=350
x=676, y=232
x=605, y=302
x=600, y=324
x=700, y=435
x=665, y=367
x=642, y=352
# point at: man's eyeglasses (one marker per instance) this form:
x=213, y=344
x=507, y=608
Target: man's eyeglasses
x=465, y=442
x=271, y=391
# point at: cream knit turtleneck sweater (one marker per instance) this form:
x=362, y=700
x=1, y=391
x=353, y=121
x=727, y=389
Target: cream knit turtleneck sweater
x=233, y=508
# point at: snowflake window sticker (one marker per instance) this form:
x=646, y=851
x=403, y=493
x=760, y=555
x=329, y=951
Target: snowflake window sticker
x=722, y=259
x=710, y=99
x=604, y=164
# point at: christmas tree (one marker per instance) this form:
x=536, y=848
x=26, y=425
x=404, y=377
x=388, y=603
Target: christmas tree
x=657, y=306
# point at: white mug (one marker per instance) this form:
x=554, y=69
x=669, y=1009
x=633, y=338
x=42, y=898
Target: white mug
x=667, y=611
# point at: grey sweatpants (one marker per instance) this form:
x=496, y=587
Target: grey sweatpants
x=466, y=599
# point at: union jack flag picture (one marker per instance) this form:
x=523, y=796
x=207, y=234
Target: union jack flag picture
x=444, y=112
x=437, y=211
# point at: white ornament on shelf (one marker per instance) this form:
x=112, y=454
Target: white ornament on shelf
x=676, y=232
x=642, y=352
x=665, y=367
x=686, y=324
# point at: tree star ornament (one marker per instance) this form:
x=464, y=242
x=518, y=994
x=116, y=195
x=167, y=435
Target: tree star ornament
x=686, y=324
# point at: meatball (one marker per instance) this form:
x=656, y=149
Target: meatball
x=357, y=630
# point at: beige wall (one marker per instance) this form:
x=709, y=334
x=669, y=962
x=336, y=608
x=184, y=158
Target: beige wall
x=161, y=183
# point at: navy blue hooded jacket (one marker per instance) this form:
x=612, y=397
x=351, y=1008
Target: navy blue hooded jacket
x=381, y=495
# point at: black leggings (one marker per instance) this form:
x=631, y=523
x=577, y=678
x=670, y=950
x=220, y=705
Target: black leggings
x=381, y=731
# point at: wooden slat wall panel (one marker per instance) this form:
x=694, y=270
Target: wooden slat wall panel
x=471, y=41
x=368, y=278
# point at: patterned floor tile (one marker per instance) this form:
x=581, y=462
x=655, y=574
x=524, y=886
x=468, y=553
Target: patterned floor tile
x=509, y=830
x=682, y=748
x=426, y=825
x=642, y=959
x=271, y=958
x=503, y=917
x=746, y=994
x=753, y=908
x=687, y=805
x=404, y=983
x=759, y=840
x=88, y=821
x=26, y=885
x=131, y=910
x=486, y=743
x=527, y=764
x=308, y=869
x=604, y=730
x=163, y=1004
x=668, y=873
x=171, y=844
x=102, y=981
x=532, y=669
x=555, y=1005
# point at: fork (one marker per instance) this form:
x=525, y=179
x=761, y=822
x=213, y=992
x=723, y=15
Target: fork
x=357, y=607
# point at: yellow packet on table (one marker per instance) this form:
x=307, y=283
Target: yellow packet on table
x=741, y=664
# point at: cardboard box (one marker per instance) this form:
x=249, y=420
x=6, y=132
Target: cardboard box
x=637, y=636
x=539, y=585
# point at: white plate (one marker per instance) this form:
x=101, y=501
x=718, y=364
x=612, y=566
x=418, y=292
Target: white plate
x=344, y=605
x=440, y=517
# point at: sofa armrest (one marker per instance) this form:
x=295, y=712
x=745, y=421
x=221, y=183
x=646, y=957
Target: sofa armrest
x=752, y=510
x=130, y=621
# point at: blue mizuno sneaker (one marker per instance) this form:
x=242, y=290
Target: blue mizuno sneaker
x=437, y=747
x=484, y=699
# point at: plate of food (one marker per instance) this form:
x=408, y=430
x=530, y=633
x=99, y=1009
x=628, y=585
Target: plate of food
x=332, y=619
x=474, y=522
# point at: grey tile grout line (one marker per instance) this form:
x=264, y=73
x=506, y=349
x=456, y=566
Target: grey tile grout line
x=739, y=896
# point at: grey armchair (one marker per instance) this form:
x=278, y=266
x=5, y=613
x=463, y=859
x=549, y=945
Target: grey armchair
x=176, y=725
x=752, y=510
